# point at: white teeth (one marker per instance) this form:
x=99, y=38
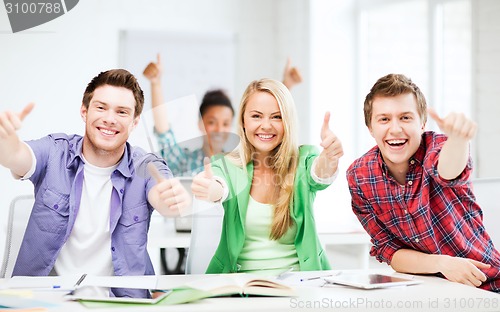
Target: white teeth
x=265, y=136
x=396, y=141
x=108, y=132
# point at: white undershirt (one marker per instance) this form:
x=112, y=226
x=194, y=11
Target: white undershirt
x=88, y=248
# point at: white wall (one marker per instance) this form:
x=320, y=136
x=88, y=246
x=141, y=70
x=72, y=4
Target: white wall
x=52, y=64
x=486, y=34
x=333, y=88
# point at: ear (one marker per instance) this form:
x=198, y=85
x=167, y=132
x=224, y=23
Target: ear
x=371, y=131
x=423, y=123
x=83, y=113
x=201, y=126
x=136, y=122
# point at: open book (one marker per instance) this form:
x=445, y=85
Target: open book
x=243, y=284
x=200, y=287
x=212, y=285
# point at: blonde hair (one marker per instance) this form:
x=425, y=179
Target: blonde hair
x=284, y=157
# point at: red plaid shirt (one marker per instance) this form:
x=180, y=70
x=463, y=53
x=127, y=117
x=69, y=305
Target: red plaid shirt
x=428, y=213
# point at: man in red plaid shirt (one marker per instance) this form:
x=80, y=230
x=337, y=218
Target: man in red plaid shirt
x=412, y=192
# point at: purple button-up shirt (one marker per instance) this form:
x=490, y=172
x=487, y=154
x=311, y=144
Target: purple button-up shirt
x=58, y=181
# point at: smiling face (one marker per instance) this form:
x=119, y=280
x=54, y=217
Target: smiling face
x=397, y=128
x=216, y=123
x=262, y=121
x=109, y=120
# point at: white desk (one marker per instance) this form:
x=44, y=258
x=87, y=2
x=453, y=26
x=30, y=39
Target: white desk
x=434, y=294
x=359, y=240
x=162, y=234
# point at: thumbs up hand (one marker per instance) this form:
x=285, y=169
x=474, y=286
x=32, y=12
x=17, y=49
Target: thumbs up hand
x=13, y=154
x=454, y=154
x=455, y=125
x=168, y=196
x=291, y=75
x=204, y=186
x=10, y=122
x=153, y=71
x=328, y=160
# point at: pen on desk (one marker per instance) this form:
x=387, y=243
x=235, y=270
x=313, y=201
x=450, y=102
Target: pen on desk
x=313, y=278
x=317, y=277
x=49, y=288
x=80, y=280
x=283, y=274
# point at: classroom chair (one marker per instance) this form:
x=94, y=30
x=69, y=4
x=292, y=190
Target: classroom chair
x=19, y=214
x=205, y=236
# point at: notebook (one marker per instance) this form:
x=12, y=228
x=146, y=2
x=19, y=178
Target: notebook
x=89, y=293
x=370, y=281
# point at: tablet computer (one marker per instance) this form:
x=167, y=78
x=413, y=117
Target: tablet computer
x=370, y=281
x=92, y=293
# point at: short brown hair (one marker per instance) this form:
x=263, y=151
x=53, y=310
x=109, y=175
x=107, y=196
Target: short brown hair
x=394, y=85
x=117, y=78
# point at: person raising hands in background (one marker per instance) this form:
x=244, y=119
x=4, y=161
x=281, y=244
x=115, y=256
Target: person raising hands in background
x=216, y=119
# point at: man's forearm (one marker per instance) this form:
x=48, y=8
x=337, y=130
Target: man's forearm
x=15, y=156
x=413, y=261
x=160, y=113
x=453, y=158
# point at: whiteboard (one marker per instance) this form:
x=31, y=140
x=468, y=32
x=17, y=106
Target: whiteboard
x=192, y=63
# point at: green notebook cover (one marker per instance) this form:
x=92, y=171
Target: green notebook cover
x=178, y=296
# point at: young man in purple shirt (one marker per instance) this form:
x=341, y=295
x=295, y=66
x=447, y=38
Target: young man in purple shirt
x=93, y=196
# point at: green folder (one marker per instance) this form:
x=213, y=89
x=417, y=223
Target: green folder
x=177, y=296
